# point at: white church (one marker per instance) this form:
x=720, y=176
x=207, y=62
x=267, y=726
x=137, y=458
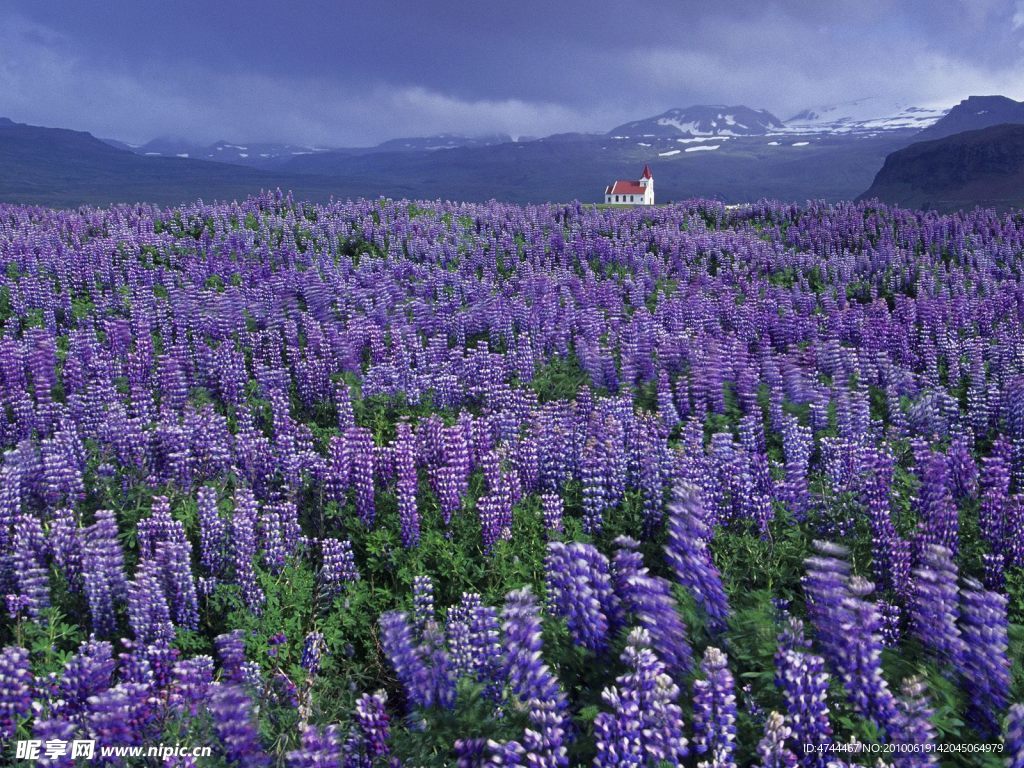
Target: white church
x=627, y=192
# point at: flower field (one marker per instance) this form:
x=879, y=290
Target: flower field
x=422, y=484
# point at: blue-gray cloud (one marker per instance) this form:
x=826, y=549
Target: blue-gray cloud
x=337, y=73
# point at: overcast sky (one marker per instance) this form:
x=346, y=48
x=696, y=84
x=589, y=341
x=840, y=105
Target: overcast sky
x=346, y=73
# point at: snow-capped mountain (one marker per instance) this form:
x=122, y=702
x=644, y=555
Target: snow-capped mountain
x=702, y=120
x=870, y=115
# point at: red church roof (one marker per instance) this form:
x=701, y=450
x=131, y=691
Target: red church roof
x=622, y=187
x=647, y=172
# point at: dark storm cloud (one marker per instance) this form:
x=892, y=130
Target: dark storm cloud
x=347, y=73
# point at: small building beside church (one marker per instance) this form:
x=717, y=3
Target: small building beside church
x=627, y=192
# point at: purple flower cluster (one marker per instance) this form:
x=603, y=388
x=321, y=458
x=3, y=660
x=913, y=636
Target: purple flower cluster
x=222, y=381
x=579, y=589
x=338, y=568
x=714, y=712
x=645, y=725
x=690, y=559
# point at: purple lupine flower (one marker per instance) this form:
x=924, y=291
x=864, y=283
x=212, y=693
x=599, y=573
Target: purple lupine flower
x=176, y=557
x=457, y=634
x=320, y=748
x=994, y=576
x=16, y=686
x=645, y=724
x=689, y=557
x=212, y=534
x=123, y=714
x=579, y=590
x=528, y=675
x=407, y=659
x=526, y=463
x=472, y=753
x=891, y=555
x=55, y=731
x=231, y=652
x=798, y=443
x=494, y=513
x=936, y=509
x=339, y=469
x=649, y=599
x=1013, y=738
x=343, y=404
x=552, y=508
x=148, y=613
x=158, y=528
x=449, y=491
x=152, y=665
x=962, y=468
x=434, y=653
x=534, y=684
x=244, y=549
x=650, y=474
x=338, y=568
x=231, y=712
x=361, y=453
x=28, y=564
x=312, y=653
x=772, y=749
x=667, y=411
x=891, y=615
x=191, y=681
x=271, y=543
x=801, y=677
x=474, y=643
x=65, y=541
x=1013, y=526
x=86, y=674
x=915, y=724
x=995, y=496
x=103, y=571
x=374, y=725
x=933, y=609
x=593, y=476
x=985, y=665
x=422, y=603
x=544, y=742
x=848, y=627
x=714, y=712
x=163, y=542
x=406, y=486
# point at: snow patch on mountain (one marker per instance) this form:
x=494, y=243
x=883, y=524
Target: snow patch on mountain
x=867, y=115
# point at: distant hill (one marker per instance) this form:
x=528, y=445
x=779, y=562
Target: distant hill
x=440, y=141
x=731, y=153
x=579, y=166
x=58, y=167
x=702, y=120
x=983, y=167
x=973, y=113
x=253, y=154
x=271, y=155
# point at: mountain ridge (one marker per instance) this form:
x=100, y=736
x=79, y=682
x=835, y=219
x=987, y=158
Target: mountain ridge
x=982, y=167
x=737, y=155
x=973, y=113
